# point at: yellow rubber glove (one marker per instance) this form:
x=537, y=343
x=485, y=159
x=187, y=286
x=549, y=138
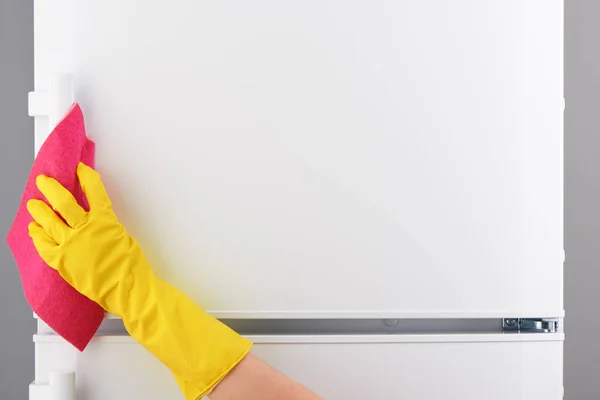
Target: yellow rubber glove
x=93, y=252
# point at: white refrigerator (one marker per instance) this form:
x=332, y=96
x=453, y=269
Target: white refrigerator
x=372, y=191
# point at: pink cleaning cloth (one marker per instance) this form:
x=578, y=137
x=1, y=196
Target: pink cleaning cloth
x=70, y=314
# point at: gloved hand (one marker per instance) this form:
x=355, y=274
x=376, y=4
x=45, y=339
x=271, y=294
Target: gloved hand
x=93, y=252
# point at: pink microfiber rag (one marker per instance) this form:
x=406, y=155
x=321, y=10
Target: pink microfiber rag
x=70, y=314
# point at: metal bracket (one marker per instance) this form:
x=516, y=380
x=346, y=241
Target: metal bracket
x=533, y=325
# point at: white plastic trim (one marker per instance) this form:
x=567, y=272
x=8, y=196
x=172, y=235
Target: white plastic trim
x=378, y=314
x=288, y=339
x=52, y=104
x=60, y=386
x=388, y=314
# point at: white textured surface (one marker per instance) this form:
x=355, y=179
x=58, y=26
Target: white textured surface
x=363, y=368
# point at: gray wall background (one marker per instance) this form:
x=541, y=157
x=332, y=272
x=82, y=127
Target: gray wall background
x=582, y=197
x=16, y=143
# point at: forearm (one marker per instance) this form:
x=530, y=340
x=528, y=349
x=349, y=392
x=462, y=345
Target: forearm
x=253, y=379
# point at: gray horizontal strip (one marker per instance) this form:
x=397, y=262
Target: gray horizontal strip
x=343, y=326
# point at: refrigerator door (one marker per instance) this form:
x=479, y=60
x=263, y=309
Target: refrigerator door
x=328, y=159
x=374, y=367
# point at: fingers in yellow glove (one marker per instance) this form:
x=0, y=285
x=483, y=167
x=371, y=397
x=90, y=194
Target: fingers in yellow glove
x=62, y=201
x=92, y=186
x=47, y=219
x=41, y=240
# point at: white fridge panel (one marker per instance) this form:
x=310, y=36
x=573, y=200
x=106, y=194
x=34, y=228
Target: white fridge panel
x=466, y=367
x=323, y=159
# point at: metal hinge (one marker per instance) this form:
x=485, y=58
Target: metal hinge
x=539, y=325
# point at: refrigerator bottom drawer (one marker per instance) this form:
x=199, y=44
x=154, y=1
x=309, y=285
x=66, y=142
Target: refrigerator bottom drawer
x=349, y=367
